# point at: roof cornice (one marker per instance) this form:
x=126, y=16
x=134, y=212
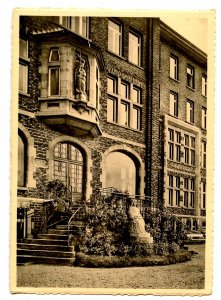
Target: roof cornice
x=170, y=35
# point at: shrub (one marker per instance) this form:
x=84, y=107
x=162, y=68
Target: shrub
x=92, y=261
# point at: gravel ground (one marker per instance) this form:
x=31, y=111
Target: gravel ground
x=188, y=275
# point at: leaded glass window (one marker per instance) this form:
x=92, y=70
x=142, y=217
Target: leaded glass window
x=68, y=166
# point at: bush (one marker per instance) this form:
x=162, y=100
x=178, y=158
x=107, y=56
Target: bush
x=92, y=261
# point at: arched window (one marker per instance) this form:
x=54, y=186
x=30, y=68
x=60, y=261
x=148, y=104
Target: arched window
x=22, y=154
x=121, y=172
x=69, y=168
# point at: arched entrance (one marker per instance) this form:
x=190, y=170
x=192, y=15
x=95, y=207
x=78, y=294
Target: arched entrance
x=121, y=172
x=69, y=167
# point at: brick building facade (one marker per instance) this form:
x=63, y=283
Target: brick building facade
x=95, y=111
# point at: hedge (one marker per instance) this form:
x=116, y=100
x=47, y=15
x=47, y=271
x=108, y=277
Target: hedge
x=94, y=261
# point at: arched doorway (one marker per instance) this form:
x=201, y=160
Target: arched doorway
x=69, y=167
x=121, y=172
x=22, y=153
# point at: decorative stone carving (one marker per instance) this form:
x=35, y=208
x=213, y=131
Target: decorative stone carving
x=81, y=79
x=137, y=230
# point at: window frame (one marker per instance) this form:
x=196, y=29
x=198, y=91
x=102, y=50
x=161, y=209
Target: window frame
x=174, y=105
x=50, y=68
x=50, y=55
x=204, y=146
x=69, y=162
x=175, y=66
x=70, y=26
x=204, y=118
x=190, y=111
x=138, y=48
x=122, y=93
x=204, y=85
x=203, y=193
x=115, y=33
x=24, y=62
x=190, y=77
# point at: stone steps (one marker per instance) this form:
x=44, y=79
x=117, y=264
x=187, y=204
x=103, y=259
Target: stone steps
x=47, y=248
x=52, y=236
x=22, y=259
x=45, y=253
x=46, y=242
x=40, y=246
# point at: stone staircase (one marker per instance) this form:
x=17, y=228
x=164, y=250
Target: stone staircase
x=49, y=248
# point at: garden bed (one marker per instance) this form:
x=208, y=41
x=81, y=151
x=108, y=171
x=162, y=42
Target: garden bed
x=95, y=261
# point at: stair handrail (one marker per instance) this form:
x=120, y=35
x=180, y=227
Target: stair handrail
x=70, y=221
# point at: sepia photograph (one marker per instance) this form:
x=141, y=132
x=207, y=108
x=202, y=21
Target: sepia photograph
x=112, y=153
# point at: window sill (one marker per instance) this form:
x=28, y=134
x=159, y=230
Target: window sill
x=176, y=80
x=23, y=94
x=22, y=188
x=173, y=116
x=117, y=55
x=125, y=127
x=135, y=65
x=181, y=163
x=191, y=123
x=24, y=59
x=190, y=88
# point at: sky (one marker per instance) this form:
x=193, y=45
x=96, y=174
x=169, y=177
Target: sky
x=192, y=28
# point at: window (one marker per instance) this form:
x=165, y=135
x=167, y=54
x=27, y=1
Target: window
x=22, y=149
x=204, y=85
x=114, y=37
x=190, y=111
x=124, y=103
x=174, y=104
x=189, y=150
x=112, y=85
x=137, y=108
x=69, y=167
x=97, y=87
x=23, y=66
x=186, y=192
x=54, y=55
x=192, y=193
x=136, y=124
x=54, y=81
x=203, y=188
x=79, y=25
x=112, y=102
x=174, y=144
x=173, y=190
x=170, y=190
x=124, y=113
x=112, y=110
x=171, y=144
x=23, y=48
x=125, y=90
x=23, y=77
x=134, y=48
x=204, y=155
x=204, y=118
x=190, y=77
x=174, y=67
x=178, y=146
x=177, y=191
x=137, y=94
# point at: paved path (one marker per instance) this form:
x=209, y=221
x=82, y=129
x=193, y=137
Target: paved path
x=189, y=275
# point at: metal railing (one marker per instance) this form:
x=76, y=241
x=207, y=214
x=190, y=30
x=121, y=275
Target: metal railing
x=144, y=203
